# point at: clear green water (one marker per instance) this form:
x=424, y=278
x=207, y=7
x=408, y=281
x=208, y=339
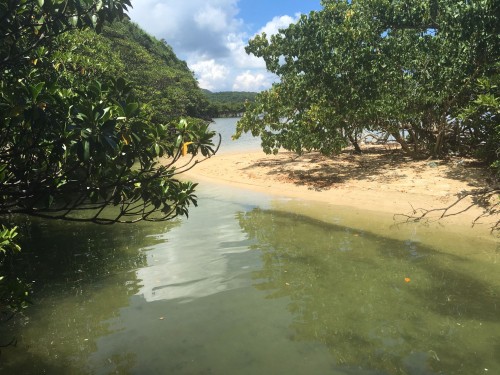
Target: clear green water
x=244, y=288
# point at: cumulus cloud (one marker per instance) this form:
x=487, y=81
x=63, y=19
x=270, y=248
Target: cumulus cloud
x=212, y=19
x=211, y=38
x=277, y=23
x=248, y=81
x=241, y=60
x=210, y=74
x=189, y=26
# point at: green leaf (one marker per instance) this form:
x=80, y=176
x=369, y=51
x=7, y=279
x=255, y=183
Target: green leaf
x=36, y=89
x=73, y=21
x=178, y=141
x=182, y=124
x=120, y=84
x=95, y=88
x=131, y=109
x=50, y=200
x=106, y=115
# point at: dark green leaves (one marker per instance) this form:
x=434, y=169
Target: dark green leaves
x=31, y=23
x=76, y=134
x=77, y=140
x=35, y=90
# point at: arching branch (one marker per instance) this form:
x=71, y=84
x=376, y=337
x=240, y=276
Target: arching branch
x=483, y=198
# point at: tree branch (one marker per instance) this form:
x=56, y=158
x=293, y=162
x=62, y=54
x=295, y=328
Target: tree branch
x=480, y=198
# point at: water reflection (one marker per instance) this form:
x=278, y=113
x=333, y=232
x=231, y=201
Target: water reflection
x=241, y=290
x=81, y=274
x=202, y=313
x=348, y=291
x=195, y=261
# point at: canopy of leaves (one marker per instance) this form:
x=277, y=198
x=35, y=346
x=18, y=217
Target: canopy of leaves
x=407, y=68
x=84, y=118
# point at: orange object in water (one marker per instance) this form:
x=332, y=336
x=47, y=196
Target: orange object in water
x=407, y=279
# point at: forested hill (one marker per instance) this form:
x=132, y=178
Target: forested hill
x=161, y=81
x=133, y=34
x=156, y=71
x=228, y=103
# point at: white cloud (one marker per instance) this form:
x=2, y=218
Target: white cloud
x=209, y=73
x=248, y=81
x=211, y=38
x=189, y=25
x=236, y=44
x=277, y=23
x=211, y=18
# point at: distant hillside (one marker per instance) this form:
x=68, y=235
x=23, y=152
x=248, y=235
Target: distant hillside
x=159, y=76
x=163, y=83
x=228, y=103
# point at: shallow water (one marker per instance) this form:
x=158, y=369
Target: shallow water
x=226, y=127
x=251, y=284
x=243, y=288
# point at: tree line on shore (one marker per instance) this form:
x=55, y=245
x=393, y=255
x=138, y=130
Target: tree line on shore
x=427, y=72
x=228, y=103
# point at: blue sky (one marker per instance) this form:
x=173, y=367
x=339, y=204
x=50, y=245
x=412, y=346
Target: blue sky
x=210, y=35
x=256, y=13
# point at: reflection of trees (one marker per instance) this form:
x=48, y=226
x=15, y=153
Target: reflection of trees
x=82, y=274
x=347, y=289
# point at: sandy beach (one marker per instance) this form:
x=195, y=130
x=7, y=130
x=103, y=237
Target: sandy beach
x=381, y=180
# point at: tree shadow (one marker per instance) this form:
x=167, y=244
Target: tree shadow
x=69, y=253
x=81, y=273
x=320, y=172
x=37, y=364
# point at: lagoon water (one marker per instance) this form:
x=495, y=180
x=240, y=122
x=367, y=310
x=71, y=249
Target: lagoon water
x=226, y=127
x=250, y=285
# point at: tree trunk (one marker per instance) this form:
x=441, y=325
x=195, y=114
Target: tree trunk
x=437, y=146
x=406, y=148
x=355, y=144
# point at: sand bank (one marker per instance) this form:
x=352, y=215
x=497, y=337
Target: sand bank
x=381, y=180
